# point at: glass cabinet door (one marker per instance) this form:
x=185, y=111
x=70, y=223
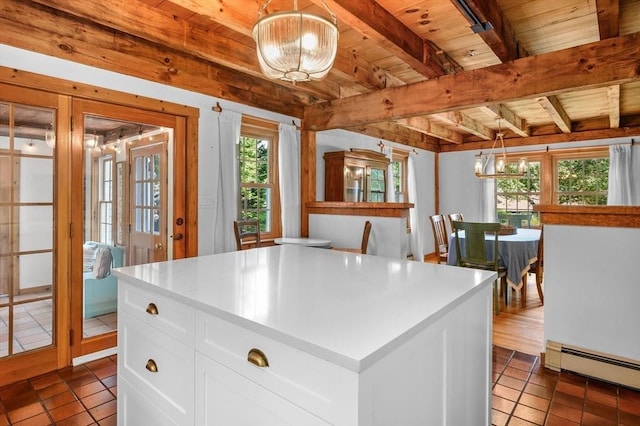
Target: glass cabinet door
x=376, y=189
x=354, y=184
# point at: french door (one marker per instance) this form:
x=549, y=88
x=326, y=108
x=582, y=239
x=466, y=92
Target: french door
x=32, y=220
x=121, y=180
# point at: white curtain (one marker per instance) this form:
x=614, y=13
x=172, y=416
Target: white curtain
x=391, y=194
x=229, y=124
x=488, y=195
x=417, y=238
x=624, y=186
x=289, y=170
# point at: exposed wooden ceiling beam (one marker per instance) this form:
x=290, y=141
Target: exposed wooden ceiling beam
x=508, y=119
x=608, y=18
x=613, y=100
x=423, y=125
x=465, y=123
x=400, y=134
x=598, y=64
x=497, y=32
x=377, y=24
x=556, y=111
x=235, y=51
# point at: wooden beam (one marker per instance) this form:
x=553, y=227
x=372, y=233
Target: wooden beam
x=613, y=101
x=33, y=27
x=598, y=64
x=497, y=31
x=509, y=119
x=423, y=125
x=308, y=173
x=231, y=49
x=376, y=23
x=399, y=134
x=465, y=123
x=608, y=18
x=556, y=111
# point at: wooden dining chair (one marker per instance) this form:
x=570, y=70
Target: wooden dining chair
x=247, y=232
x=455, y=217
x=538, y=267
x=476, y=254
x=440, y=237
x=363, y=245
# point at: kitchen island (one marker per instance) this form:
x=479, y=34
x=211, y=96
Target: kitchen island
x=298, y=335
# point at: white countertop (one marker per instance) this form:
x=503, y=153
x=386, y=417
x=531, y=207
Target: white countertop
x=348, y=308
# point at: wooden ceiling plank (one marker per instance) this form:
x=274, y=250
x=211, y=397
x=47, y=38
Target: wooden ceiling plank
x=597, y=64
x=556, y=111
x=497, y=32
x=394, y=132
x=613, y=98
x=465, y=123
x=509, y=119
x=377, y=24
x=423, y=125
x=608, y=18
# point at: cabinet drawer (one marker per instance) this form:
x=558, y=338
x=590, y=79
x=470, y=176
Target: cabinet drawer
x=224, y=397
x=143, y=348
x=135, y=409
x=324, y=389
x=166, y=315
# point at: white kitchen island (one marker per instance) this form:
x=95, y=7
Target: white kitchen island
x=299, y=335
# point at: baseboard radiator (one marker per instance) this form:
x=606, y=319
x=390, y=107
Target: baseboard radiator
x=605, y=367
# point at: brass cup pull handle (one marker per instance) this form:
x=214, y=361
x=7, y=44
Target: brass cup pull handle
x=152, y=366
x=152, y=309
x=257, y=357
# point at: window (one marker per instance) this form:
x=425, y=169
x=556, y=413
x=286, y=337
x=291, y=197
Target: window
x=399, y=165
x=515, y=197
x=582, y=180
x=258, y=168
x=567, y=177
x=105, y=199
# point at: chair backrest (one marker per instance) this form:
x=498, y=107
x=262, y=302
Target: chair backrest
x=476, y=254
x=365, y=237
x=247, y=230
x=541, y=248
x=439, y=234
x=457, y=217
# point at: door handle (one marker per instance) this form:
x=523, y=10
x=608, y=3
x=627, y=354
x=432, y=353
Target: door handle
x=158, y=246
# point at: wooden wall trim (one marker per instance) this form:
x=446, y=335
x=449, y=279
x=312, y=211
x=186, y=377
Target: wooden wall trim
x=611, y=216
x=360, y=209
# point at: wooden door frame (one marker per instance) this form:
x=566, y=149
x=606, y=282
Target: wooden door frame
x=60, y=93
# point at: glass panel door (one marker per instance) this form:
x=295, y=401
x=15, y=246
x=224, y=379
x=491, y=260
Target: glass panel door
x=354, y=184
x=27, y=141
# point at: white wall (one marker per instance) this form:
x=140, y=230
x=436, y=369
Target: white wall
x=592, y=290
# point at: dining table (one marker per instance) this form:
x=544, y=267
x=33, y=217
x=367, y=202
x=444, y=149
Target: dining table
x=303, y=241
x=516, y=252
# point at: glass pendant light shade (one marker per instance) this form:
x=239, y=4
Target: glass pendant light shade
x=294, y=46
x=499, y=161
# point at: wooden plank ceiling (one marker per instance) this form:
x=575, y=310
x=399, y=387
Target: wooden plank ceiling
x=424, y=73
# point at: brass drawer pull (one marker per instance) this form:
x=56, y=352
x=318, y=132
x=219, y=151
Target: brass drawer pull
x=257, y=357
x=152, y=309
x=152, y=366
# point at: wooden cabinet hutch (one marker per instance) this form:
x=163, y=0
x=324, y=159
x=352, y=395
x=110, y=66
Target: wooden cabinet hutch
x=357, y=175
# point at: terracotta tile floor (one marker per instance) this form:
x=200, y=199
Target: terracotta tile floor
x=81, y=395
x=524, y=393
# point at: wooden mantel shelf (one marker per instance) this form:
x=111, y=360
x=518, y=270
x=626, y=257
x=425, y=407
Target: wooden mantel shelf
x=359, y=209
x=614, y=216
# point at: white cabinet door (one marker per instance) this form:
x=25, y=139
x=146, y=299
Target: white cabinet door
x=135, y=410
x=224, y=397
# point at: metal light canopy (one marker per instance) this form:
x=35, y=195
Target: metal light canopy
x=295, y=46
x=500, y=161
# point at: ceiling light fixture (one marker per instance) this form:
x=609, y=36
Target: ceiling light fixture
x=295, y=46
x=499, y=161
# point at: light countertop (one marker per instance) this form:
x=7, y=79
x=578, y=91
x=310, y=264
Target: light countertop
x=348, y=308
